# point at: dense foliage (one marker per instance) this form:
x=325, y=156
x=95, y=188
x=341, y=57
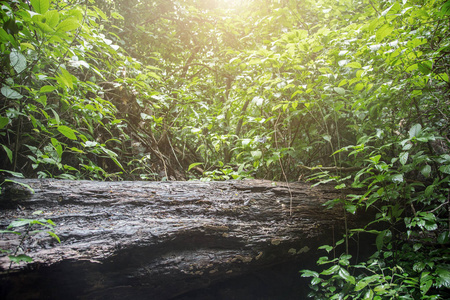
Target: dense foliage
x=350, y=92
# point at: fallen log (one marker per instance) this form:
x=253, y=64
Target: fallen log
x=161, y=240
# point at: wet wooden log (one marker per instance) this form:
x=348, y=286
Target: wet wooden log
x=160, y=240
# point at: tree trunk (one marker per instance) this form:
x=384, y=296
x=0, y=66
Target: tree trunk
x=161, y=240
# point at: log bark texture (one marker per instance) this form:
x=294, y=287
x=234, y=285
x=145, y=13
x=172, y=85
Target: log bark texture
x=160, y=240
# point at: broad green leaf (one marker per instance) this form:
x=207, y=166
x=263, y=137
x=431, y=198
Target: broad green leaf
x=66, y=78
x=40, y=6
x=194, y=165
x=113, y=156
x=68, y=25
x=425, y=282
x=354, y=65
x=67, y=132
x=445, y=169
x=444, y=276
x=339, y=90
x=4, y=36
x=57, y=145
x=309, y=273
x=15, y=174
x=327, y=248
x=100, y=13
x=18, y=61
x=19, y=223
x=403, y=157
x=412, y=68
x=393, y=9
x=3, y=122
x=52, y=18
x=8, y=153
x=383, y=32
x=351, y=208
x=419, y=266
x=331, y=270
x=10, y=93
x=19, y=258
x=426, y=67
x=415, y=130
x=256, y=154
x=360, y=285
x=426, y=170
x=47, y=89
x=379, y=241
x=358, y=87
x=344, y=274
x=116, y=15
x=397, y=178
x=443, y=238
x=368, y=295
x=375, y=159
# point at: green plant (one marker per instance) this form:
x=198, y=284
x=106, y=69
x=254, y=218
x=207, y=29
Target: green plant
x=27, y=228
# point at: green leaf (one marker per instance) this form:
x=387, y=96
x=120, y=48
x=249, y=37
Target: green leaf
x=425, y=282
x=419, y=266
x=52, y=234
x=47, y=89
x=339, y=90
x=344, y=274
x=116, y=15
x=19, y=175
x=9, y=153
x=21, y=257
x=426, y=67
x=58, y=146
x=426, y=170
x=256, y=154
x=403, y=157
x=113, y=156
x=331, y=270
x=415, y=130
x=15, y=174
x=375, y=159
x=19, y=223
x=309, y=273
x=67, y=132
x=194, y=165
x=4, y=36
x=368, y=295
x=383, y=32
x=18, y=61
x=51, y=18
x=3, y=122
x=444, y=276
x=10, y=231
x=443, y=238
x=397, y=178
x=351, y=208
x=68, y=25
x=354, y=65
x=445, y=169
x=360, y=285
x=40, y=6
x=380, y=240
x=10, y=93
x=67, y=78
x=327, y=248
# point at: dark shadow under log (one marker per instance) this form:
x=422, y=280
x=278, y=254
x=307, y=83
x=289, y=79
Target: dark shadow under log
x=164, y=240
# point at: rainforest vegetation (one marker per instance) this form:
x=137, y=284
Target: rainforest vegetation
x=349, y=92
